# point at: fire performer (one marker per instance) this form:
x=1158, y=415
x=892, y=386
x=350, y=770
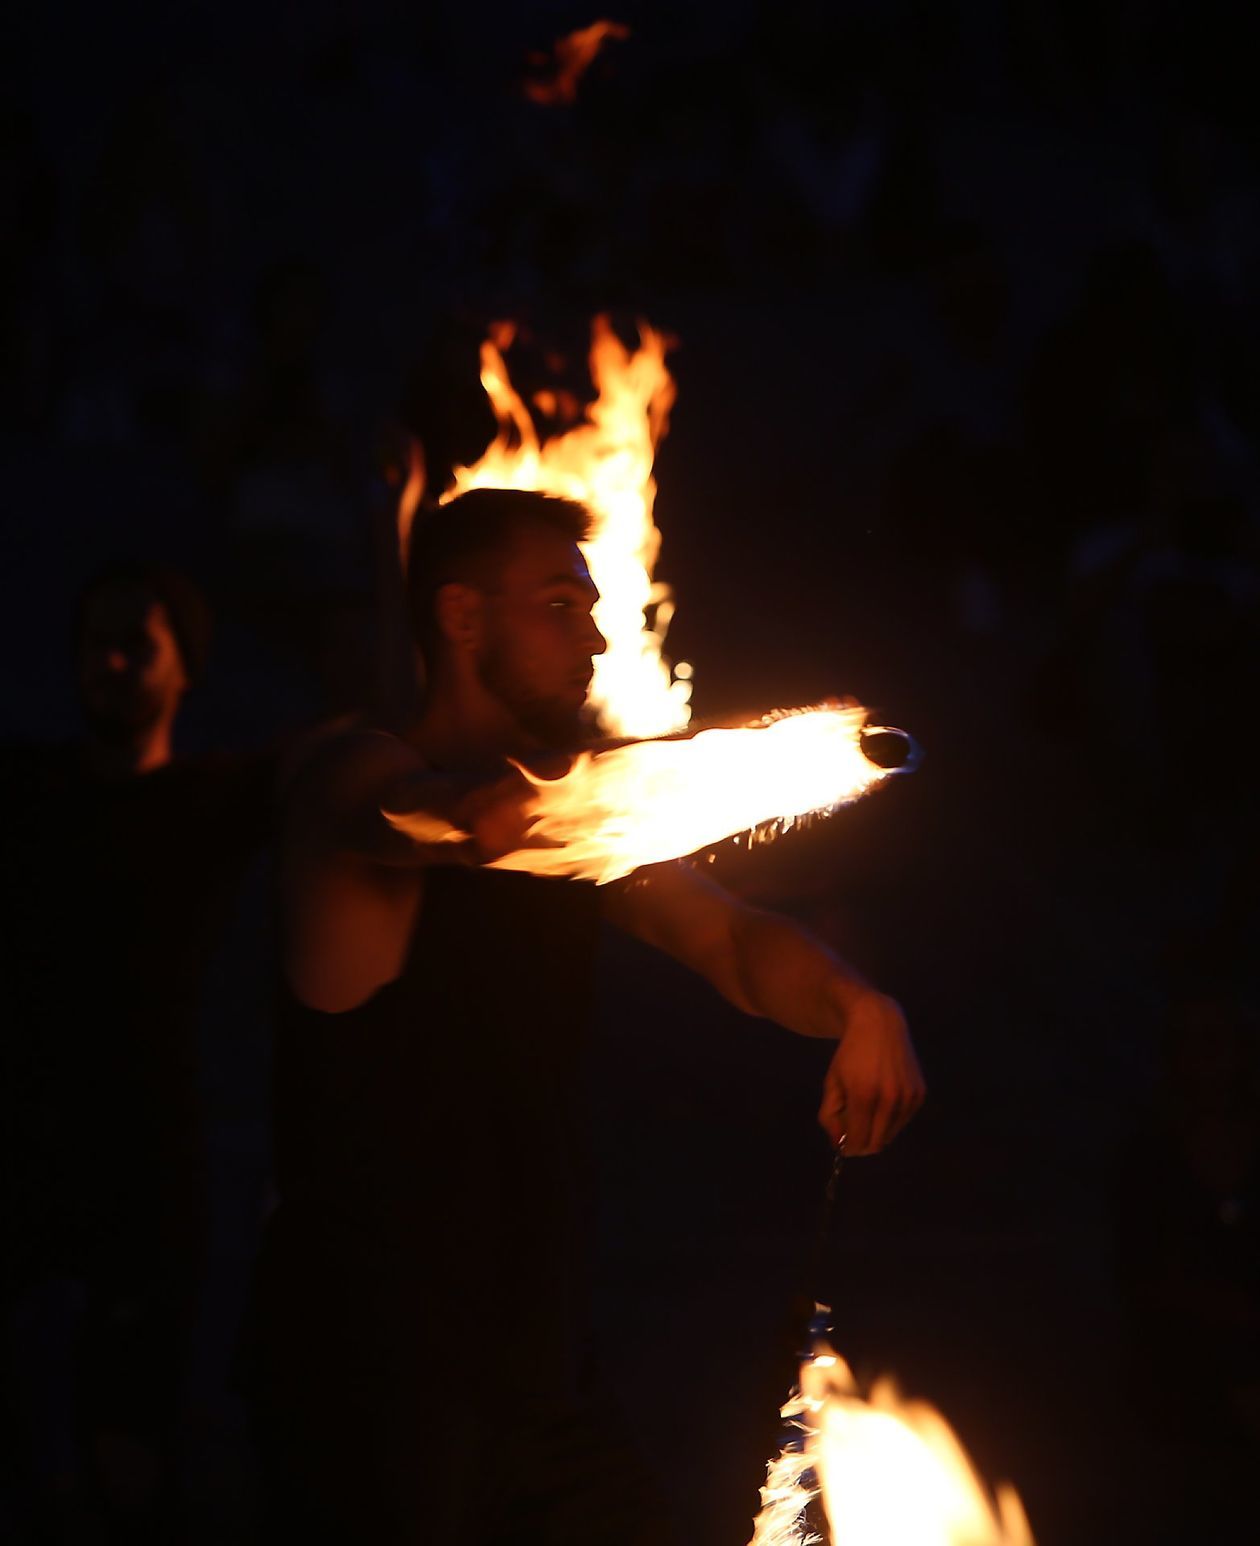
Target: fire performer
x=428, y=1079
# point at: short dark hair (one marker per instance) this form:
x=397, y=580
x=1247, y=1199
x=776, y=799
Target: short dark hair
x=186, y=608
x=467, y=540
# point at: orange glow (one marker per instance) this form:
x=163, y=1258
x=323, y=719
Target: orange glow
x=605, y=463
x=650, y=801
x=891, y=1472
x=409, y=499
x=569, y=60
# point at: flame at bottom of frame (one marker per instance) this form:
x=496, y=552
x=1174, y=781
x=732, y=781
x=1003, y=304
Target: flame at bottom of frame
x=890, y=1472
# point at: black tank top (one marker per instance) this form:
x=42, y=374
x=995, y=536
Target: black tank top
x=428, y=1143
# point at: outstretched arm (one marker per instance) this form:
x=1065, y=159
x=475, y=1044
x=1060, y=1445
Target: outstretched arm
x=769, y=966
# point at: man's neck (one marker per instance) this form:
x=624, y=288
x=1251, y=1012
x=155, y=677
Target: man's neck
x=455, y=734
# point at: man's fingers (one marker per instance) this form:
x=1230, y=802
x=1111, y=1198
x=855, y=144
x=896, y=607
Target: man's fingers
x=832, y=1113
x=868, y=1119
x=876, y=1121
x=902, y=1109
x=848, y=1116
x=858, y=1115
x=899, y=1113
x=883, y=1124
x=909, y=1104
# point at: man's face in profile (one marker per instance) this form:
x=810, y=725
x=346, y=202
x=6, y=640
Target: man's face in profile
x=540, y=638
x=131, y=672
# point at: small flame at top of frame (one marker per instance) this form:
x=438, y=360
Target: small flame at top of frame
x=569, y=60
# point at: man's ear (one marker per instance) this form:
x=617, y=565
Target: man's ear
x=460, y=613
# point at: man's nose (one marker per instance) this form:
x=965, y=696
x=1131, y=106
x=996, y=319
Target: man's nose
x=598, y=643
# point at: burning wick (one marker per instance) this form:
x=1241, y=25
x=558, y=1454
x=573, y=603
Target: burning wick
x=650, y=801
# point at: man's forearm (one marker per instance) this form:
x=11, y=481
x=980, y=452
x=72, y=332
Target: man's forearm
x=873, y=1084
x=785, y=974
x=761, y=962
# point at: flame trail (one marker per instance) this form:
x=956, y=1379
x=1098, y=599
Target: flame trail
x=605, y=464
x=650, y=801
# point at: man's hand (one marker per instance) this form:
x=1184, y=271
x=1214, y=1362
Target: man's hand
x=767, y=965
x=874, y=1084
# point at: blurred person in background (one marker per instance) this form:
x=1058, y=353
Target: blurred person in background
x=121, y=859
x=1185, y=1201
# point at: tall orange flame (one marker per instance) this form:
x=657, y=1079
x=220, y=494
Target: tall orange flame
x=653, y=799
x=606, y=464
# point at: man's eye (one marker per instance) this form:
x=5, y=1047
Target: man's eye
x=562, y=602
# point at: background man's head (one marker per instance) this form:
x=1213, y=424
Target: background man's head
x=142, y=632
x=500, y=597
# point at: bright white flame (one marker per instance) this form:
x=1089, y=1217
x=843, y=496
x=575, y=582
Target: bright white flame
x=651, y=801
x=606, y=464
x=891, y=1472
x=784, y=1500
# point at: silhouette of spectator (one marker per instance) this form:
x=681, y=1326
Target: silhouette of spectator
x=907, y=227
x=967, y=514
x=1161, y=644
x=1186, y=1220
x=120, y=859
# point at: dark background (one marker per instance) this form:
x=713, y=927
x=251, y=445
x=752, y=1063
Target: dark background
x=966, y=329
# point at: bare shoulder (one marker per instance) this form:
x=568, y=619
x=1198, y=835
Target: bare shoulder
x=334, y=799
x=346, y=916
x=344, y=768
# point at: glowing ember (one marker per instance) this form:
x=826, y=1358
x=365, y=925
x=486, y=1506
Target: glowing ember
x=891, y=1472
x=649, y=801
x=572, y=56
x=606, y=464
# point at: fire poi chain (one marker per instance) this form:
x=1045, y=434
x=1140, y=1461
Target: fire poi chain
x=890, y=1472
